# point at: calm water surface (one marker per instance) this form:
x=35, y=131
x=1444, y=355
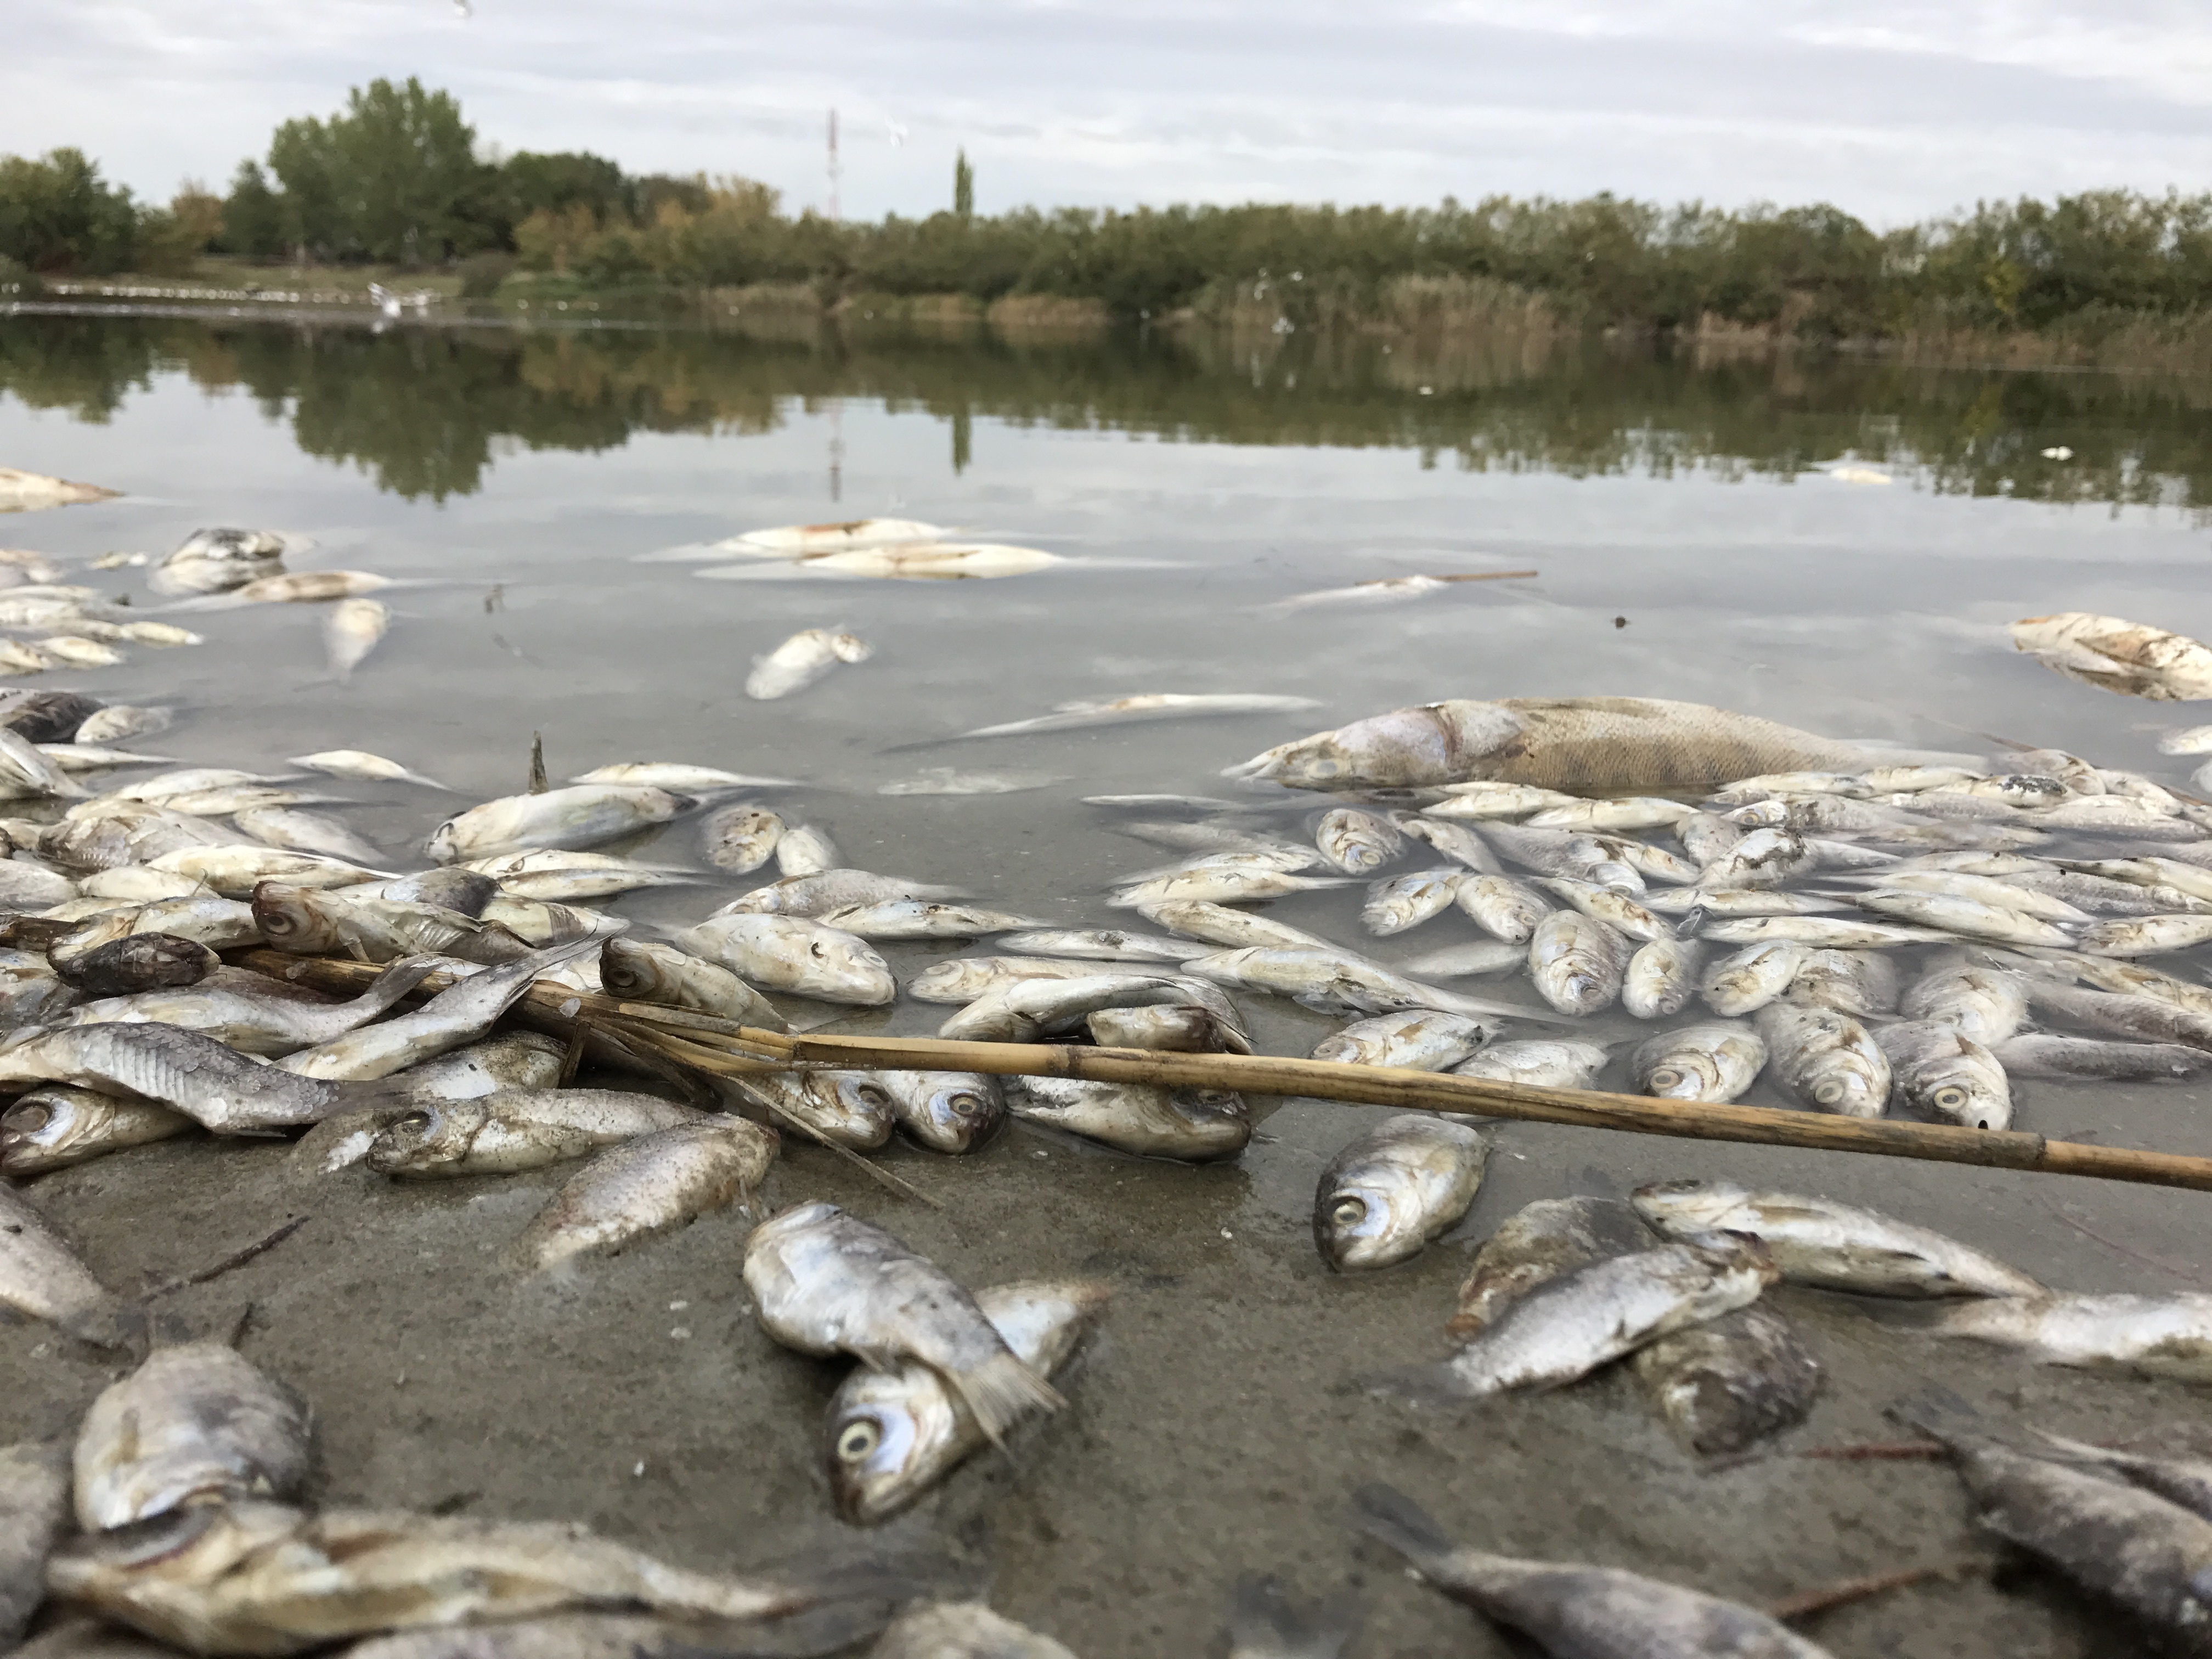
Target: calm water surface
x=1689, y=544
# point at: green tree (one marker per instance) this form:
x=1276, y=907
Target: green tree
x=57, y=216
x=964, y=186
x=394, y=178
x=252, y=216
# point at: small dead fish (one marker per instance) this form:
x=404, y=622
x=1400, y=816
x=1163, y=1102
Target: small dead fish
x=1987, y=1005
x=2146, y=1019
x=800, y=660
x=949, y=1112
x=1330, y=981
x=54, y=1127
x=893, y=1435
x=1739, y=901
x=1105, y=944
x=457, y=1015
x=1763, y=858
x=824, y=1282
x=1992, y=891
x=251, y=1012
x=663, y=1179
x=1149, y=706
x=2139, y=936
x=1616, y=909
x=1219, y=925
x=1850, y=785
x=355, y=763
x=1220, y=885
x=1566, y=1328
x=1541, y=1064
x=353, y=628
x=40, y=1277
x=1382, y=1198
x=1502, y=907
x=1715, y=1061
x=217, y=1087
x=1577, y=962
x=1825, y=1060
x=1941, y=1070
x=557, y=875
x=1177, y=1028
x=905, y=918
x=2152, y=1336
x=1488, y=955
x=1660, y=978
x=964, y=979
x=1707, y=836
x=1856, y=982
x=517, y=1129
x=1453, y=841
x=817, y=895
x=677, y=777
x=1832, y=1246
x=1483, y=799
x=1536, y=1245
x=793, y=954
x=1818, y=932
x=306, y=832
x=1402, y=901
x=741, y=839
x=581, y=814
x=1424, y=1042
x=1357, y=843
x=641, y=970
x=2087, y=1059
x=805, y=849
x=948, y=780
x=119, y=721
x=1628, y=812
x=842, y=1108
x=1725, y=1386
x=1970, y=919
x=1192, y=1126
x=195, y=1424
x=1573, y=1610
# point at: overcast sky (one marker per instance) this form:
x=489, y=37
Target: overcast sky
x=1893, y=109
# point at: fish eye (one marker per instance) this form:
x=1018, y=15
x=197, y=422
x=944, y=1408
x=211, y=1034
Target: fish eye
x=414, y=1122
x=1347, y=1211
x=1666, y=1077
x=1948, y=1098
x=869, y=1095
x=964, y=1105
x=1325, y=768
x=1827, y=1093
x=816, y=949
x=858, y=1439
x=28, y=1119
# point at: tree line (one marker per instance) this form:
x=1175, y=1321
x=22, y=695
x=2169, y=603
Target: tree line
x=397, y=176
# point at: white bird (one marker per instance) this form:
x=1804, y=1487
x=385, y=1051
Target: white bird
x=2058, y=453
x=386, y=300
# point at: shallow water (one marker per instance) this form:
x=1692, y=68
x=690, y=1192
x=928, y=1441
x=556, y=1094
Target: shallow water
x=1687, y=544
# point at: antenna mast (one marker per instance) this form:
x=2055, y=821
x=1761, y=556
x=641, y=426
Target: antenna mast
x=837, y=168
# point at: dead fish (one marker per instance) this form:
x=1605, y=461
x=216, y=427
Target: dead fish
x=1358, y=843
x=1941, y=1070
x=805, y=849
x=1616, y=909
x=1105, y=944
x=30, y=491
x=447, y=887
x=677, y=777
x=1211, y=835
x=251, y=1012
x=1482, y=800
x=663, y=1179
x=1219, y=925
x=1818, y=932
x=255, y=1577
x=1832, y=1246
x=1577, y=962
x=2134, y=1548
x=741, y=839
x=2184, y=1481
x=54, y=1127
x=1763, y=858
x=1856, y=982
x=1583, y=745
x=801, y=660
x=195, y=1424
x=2154, y=1335
x=375, y=930
x=949, y=1112
x=1603, y=859
x=641, y=970
x=1453, y=841
x=1970, y=919
x=1573, y=1610
x=306, y=832
x=1725, y=1386
x=40, y=1277
x=1537, y=1244
x=824, y=1282
x=457, y=1015
x=2109, y=974
x=1502, y=907
x=791, y=953
x=962, y=1630
x=1381, y=1200
x=33, y=1509
x=1825, y=1060
x=2147, y=1018
x=1539, y=1064
x=1425, y=1041
x=1617, y=813
x=358, y=764
x=1567, y=1327
x=1176, y=1028
x=844, y=1109
x=1329, y=981
x=906, y=919
x=1661, y=977
x=1715, y=1061
x=1152, y=706
x=817, y=895
x=351, y=630
x=119, y=721
x=2139, y=936
x=1219, y=886
x=893, y=1434
x=581, y=814
x=514, y=1060
x=1488, y=955
x=517, y=1129
x=1031, y=1009
x=2087, y=1059
x=1849, y=785
x=1191, y=1126
x=1987, y=1005
x=948, y=780
x=217, y=1087
x=2117, y=655
x=1999, y=894
x=1402, y=901
x=964, y=979
x=810, y=540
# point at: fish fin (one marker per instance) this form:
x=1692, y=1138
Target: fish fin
x=1001, y=1391
x=1387, y=1516
x=1262, y=1619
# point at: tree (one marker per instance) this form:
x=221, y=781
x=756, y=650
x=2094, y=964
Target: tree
x=391, y=178
x=58, y=215
x=252, y=216
x=964, y=186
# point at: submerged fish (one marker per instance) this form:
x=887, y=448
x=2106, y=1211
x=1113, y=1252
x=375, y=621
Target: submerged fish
x=800, y=660
x=1382, y=1198
x=1716, y=1060
x=741, y=839
x=359, y=763
x=2087, y=1058
x=350, y=631
x=663, y=1179
x=1424, y=1040
x=2117, y=655
x=1487, y=956
x=195, y=1424
x=893, y=1434
x=1193, y=1126
x=1152, y=706
x=1504, y=908
x=1724, y=1386
x=825, y=1282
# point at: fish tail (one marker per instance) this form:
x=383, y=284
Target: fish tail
x=1387, y=1516
x=1001, y=1391
x=1262, y=1620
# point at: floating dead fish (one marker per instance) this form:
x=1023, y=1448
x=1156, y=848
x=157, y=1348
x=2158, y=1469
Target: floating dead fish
x=303, y=586
x=1105, y=944
x=1660, y=978
x=819, y=893
x=1716, y=1062
x=1152, y=706
x=907, y=919
x=350, y=631
x=794, y=954
x=1219, y=925
x=29, y=492
x=1486, y=956
x=1825, y=1060
x=2089, y=1060
x=581, y=814
x=1540, y=1063
x=1331, y=981
x=2117, y=655
x=1425, y=1041
x=805, y=540
x=946, y=780
x=359, y=764
x=938, y=561
x=1941, y=1070
x=641, y=970
x=1398, y=902
x=801, y=660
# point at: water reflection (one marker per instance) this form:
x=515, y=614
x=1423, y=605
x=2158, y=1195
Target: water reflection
x=426, y=410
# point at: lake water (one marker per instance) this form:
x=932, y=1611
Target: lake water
x=1690, y=542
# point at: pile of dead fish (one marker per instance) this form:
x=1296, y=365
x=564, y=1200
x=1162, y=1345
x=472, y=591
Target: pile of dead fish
x=1889, y=925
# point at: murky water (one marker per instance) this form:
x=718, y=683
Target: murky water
x=1688, y=544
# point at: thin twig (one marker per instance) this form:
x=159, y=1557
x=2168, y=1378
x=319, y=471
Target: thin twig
x=236, y=1258
x=2159, y=1262
x=1806, y=1603
x=1879, y=1451
x=875, y=1172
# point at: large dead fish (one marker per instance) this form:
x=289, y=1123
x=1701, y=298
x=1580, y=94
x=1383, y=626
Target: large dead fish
x=1585, y=744
x=27, y=492
x=2117, y=655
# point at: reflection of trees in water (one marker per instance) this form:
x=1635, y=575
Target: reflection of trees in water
x=422, y=409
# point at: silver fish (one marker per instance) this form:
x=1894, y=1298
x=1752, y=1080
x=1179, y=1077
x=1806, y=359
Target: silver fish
x=824, y=1282
x=2119, y=1014
x=1987, y=1005
x=903, y=919
x=1722, y=1386
x=33, y=1509
x=459, y=1014
x=1453, y=841
x=1487, y=956
x=2155, y=1335
x=1193, y=1126
x=1577, y=962
x=1402, y=901
x=801, y=660
x=1502, y=907
x=1856, y=982
x=1425, y=1041
x=514, y=1060
x=355, y=763
x=2139, y=936
x=663, y=1179
x=1739, y=901
x=216, y=1086
x=2088, y=1060
x=1029, y=1010
x=805, y=849
x=1383, y=1197
x=42, y=1277
x=1541, y=1064
x=1850, y=785
x=740, y=839
x=1357, y=843
x=1218, y=885
x=1536, y=1245
x=251, y=1012
x=1714, y=1061
x=640, y=970
x=195, y=1424
x=1825, y=1060
x=844, y=1109
x=564, y=876
x=819, y=894
x=1329, y=981
x=306, y=832
x=1969, y=918
x=54, y=1127
x=893, y=1435
x=1660, y=978
x=580, y=815
x=350, y=631
x=1939, y=1070
x=677, y=777
x=1995, y=891
x=964, y=979
x=516, y=1129
x=1832, y=1246
x=1616, y=909
x=963, y=1629
x=1619, y=813
x=1179, y=1028
x=948, y=1112
x=1105, y=944
x=1147, y=706
x=1219, y=925
x=1819, y=932
x=793, y=954
x=1574, y=1610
